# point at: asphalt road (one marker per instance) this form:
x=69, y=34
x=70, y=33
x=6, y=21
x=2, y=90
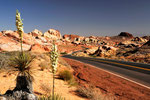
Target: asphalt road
x=136, y=72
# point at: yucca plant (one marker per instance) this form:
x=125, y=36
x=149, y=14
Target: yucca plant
x=21, y=63
x=54, y=61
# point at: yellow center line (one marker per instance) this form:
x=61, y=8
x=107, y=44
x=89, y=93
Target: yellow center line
x=122, y=64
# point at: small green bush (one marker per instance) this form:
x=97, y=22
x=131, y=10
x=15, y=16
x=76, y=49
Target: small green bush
x=85, y=92
x=65, y=75
x=93, y=94
x=72, y=82
x=68, y=76
x=4, y=59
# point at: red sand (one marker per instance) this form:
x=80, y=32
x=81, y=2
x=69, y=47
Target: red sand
x=108, y=83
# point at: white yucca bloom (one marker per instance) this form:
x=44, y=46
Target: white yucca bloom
x=19, y=24
x=54, y=58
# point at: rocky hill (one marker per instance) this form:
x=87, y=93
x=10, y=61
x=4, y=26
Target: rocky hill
x=122, y=45
x=33, y=41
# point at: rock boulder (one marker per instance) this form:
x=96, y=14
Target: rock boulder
x=36, y=33
x=53, y=34
x=126, y=34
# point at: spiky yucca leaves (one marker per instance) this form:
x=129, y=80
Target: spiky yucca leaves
x=22, y=64
x=19, y=26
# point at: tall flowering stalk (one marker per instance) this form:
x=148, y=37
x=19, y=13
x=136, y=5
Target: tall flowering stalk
x=19, y=26
x=54, y=61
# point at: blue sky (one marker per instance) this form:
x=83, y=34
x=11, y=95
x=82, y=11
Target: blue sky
x=81, y=17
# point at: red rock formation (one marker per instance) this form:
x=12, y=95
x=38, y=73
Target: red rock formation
x=36, y=33
x=146, y=37
x=146, y=45
x=70, y=37
x=53, y=34
x=10, y=41
x=126, y=34
x=38, y=48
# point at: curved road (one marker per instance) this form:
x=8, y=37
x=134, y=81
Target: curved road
x=136, y=72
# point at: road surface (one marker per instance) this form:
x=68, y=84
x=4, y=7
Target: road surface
x=136, y=72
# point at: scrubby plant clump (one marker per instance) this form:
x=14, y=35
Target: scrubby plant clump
x=43, y=65
x=22, y=64
x=66, y=75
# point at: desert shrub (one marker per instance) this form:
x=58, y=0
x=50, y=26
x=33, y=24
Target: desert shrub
x=68, y=76
x=21, y=63
x=43, y=65
x=45, y=88
x=4, y=59
x=61, y=61
x=65, y=75
x=93, y=93
x=72, y=82
x=85, y=92
x=55, y=97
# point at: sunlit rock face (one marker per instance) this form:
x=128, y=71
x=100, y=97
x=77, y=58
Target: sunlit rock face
x=52, y=34
x=70, y=37
x=146, y=37
x=36, y=33
x=13, y=47
x=146, y=45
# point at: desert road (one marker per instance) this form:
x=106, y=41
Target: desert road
x=135, y=72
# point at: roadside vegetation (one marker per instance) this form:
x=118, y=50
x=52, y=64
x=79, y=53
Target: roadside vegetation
x=67, y=76
x=93, y=93
x=19, y=63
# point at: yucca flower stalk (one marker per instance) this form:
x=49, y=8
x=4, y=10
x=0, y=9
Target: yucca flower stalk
x=19, y=26
x=54, y=61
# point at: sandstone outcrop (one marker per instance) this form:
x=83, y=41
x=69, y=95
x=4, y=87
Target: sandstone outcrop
x=13, y=47
x=91, y=50
x=105, y=51
x=14, y=36
x=10, y=41
x=80, y=54
x=53, y=34
x=70, y=37
x=36, y=33
x=146, y=45
x=126, y=34
x=146, y=37
x=139, y=39
x=39, y=48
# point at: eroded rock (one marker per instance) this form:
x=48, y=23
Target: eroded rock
x=53, y=34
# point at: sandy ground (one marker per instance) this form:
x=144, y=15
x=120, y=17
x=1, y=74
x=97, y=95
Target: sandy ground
x=108, y=83
x=42, y=84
